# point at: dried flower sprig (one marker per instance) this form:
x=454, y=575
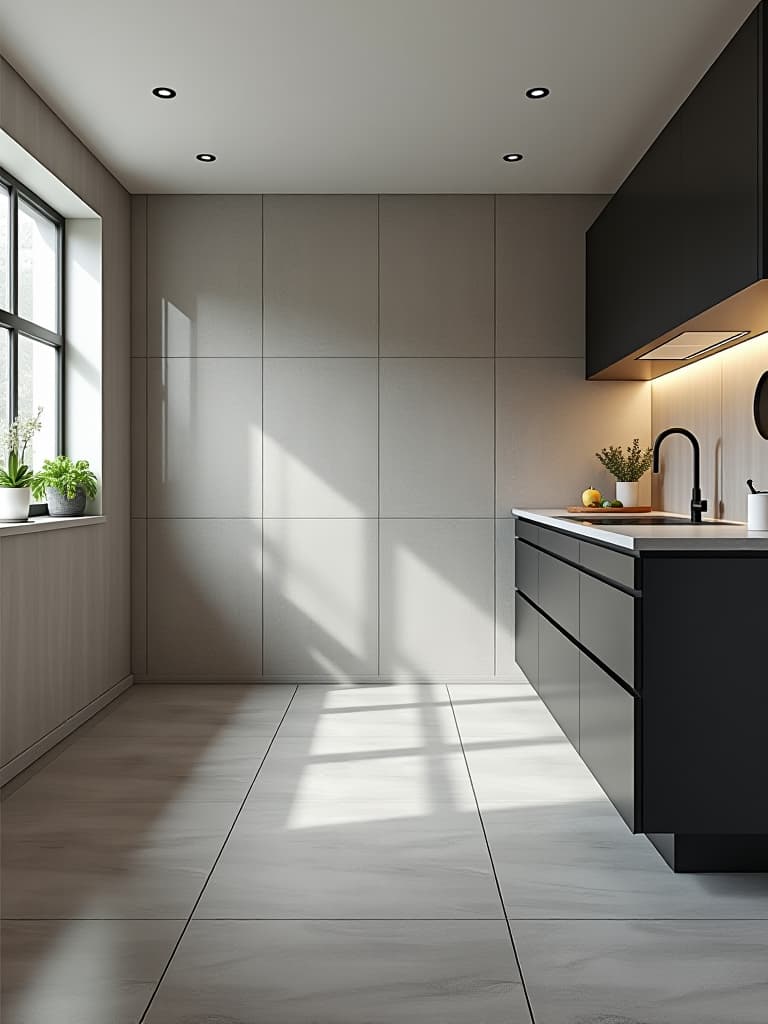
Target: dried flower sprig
x=627, y=467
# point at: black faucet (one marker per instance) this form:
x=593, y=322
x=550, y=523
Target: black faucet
x=698, y=505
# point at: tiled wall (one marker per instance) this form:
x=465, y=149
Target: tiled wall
x=337, y=399
x=713, y=398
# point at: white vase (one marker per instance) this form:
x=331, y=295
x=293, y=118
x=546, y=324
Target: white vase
x=628, y=493
x=14, y=504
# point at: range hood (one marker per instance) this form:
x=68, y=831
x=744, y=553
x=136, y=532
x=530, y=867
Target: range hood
x=677, y=262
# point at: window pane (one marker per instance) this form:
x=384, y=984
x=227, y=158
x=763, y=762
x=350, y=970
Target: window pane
x=37, y=267
x=5, y=251
x=37, y=387
x=5, y=396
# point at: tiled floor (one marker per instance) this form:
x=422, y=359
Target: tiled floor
x=305, y=855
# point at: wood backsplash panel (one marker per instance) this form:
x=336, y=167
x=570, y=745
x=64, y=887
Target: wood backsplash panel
x=745, y=452
x=714, y=399
x=690, y=398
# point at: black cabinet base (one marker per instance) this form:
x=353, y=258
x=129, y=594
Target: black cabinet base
x=712, y=853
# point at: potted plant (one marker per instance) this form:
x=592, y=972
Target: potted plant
x=65, y=485
x=627, y=466
x=15, y=475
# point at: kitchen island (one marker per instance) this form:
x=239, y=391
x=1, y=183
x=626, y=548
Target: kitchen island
x=645, y=642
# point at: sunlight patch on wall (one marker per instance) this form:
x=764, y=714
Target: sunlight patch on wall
x=294, y=484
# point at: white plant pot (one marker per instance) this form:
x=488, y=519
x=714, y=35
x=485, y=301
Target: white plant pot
x=628, y=493
x=14, y=504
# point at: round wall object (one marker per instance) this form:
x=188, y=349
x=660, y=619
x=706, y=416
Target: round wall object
x=761, y=406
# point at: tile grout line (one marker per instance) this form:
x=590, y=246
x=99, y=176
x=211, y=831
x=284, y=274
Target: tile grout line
x=490, y=857
x=146, y=435
x=216, y=861
x=453, y=920
x=261, y=531
x=495, y=468
x=378, y=434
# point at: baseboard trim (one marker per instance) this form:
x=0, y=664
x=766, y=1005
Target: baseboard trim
x=321, y=680
x=40, y=747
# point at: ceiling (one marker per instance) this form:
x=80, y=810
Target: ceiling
x=367, y=95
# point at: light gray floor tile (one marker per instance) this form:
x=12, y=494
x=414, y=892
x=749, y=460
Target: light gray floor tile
x=309, y=972
x=509, y=711
x=91, y=860
x=318, y=697
x=416, y=780
x=149, y=769
x=82, y=972
x=581, y=861
x=200, y=711
x=425, y=722
x=353, y=861
x=627, y=972
x=559, y=847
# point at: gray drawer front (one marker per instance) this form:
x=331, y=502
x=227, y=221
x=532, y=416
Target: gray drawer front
x=607, y=626
x=608, y=563
x=528, y=531
x=607, y=737
x=559, y=592
x=559, y=544
x=527, y=640
x=527, y=570
x=559, y=678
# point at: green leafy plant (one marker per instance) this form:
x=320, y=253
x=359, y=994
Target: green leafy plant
x=626, y=464
x=14, y=441
x=65, y=476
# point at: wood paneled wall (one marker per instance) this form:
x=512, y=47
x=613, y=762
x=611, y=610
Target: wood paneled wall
x=65, y=595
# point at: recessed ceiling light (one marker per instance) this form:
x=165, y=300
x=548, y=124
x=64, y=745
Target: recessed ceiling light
x=537, y=93
x=205, y=158
x=512, y=158
x=163, y=92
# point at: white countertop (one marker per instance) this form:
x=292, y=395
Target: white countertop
x=691, y=537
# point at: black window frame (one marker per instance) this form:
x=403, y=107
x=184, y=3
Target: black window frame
x=16, y=324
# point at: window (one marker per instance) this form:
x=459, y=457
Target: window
x=31, y=315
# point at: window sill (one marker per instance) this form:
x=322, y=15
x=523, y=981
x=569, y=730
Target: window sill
x=40, y=524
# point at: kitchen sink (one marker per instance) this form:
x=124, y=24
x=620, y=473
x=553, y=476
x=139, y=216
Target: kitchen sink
x=646, y=520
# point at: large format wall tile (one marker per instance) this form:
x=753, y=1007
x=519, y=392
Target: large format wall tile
x=204, y=422
x=321, y=437
x=436, y=598
x=138, y=275
x=551, y=421
x=320, y=597
x=204, y=276
x=204, y=597
x=138, y=437
x=540, y=273
x=436, y=275
x=320, y=275
x=437, y=437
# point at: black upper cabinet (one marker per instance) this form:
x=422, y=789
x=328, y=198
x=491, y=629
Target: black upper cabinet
x=684, y=231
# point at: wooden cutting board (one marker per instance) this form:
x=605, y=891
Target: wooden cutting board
x=583, y=510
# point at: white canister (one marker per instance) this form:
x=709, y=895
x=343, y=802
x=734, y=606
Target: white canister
x=628, y=493
x=757, y=511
